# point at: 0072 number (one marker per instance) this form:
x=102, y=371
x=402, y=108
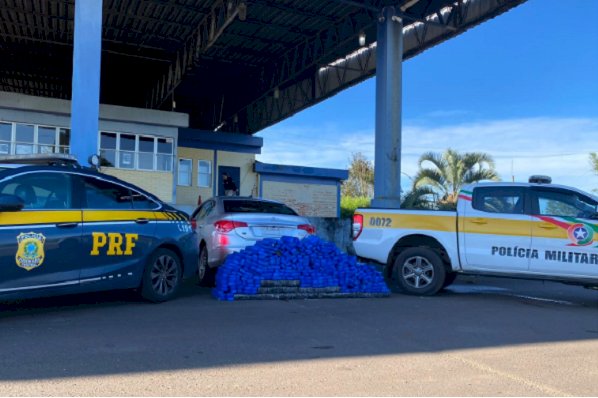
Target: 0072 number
x=380, y=222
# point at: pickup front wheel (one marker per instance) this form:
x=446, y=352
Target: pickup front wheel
x=419, y=271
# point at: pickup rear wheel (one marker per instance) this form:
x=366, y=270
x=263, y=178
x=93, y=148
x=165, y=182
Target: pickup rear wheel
x=419, y=271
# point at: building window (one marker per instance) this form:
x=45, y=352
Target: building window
x=64, y=140
x=185, y=167
x=204, y=173
x=139, y=152
x=46, y=139
x=146, y=153
x=25, y=139
x=126, y=153
x=5, y=138
x=164, y=155
x=108, y=149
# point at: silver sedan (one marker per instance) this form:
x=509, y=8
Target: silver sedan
x=228, y=224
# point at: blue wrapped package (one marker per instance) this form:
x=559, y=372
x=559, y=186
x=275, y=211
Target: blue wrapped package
x=305, y=264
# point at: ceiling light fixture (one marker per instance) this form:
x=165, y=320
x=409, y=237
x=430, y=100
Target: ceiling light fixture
x=242, y=10
x=362, y=38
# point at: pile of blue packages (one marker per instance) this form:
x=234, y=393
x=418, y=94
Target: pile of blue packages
x=312, y=261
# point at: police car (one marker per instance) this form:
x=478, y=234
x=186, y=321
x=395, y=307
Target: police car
x=533, y=230
x=69, y=229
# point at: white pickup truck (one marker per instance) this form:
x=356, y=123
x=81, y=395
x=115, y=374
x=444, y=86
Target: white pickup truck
x=524, y=230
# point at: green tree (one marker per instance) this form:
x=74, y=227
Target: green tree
x=349, y=204
x=594, y=162
x=446, y=173
x=361, y=177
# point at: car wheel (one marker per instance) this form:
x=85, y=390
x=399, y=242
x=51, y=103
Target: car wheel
x=419, y=271
x=204, y=272
x=162, y=276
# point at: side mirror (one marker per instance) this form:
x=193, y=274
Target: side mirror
x=11, y=203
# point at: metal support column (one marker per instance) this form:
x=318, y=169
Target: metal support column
x=389, y=55
x=86, y=79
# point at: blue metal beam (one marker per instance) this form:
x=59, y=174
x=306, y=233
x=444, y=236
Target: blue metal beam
x=85, y=105
x=387, y=172
x=301, y=171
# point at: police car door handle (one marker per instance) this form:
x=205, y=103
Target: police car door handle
x=547, y=226
x=479, y=221
x=142, y=221
x=67, y=225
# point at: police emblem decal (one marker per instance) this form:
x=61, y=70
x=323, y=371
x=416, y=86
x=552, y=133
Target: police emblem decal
x=30, y=253
x=580, y=234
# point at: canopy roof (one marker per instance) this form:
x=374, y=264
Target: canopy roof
x=234, y=65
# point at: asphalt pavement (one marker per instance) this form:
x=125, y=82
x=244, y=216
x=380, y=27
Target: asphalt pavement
x=482, y=336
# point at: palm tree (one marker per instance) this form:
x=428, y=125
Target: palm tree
x=450, y=170
x=421, y=198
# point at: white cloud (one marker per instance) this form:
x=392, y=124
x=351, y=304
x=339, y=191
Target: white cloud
x=447, y=113
x=557, y=147
x=322, y=146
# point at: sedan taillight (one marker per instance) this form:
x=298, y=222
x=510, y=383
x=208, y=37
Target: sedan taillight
x=193, y=222
x=310, y=229
x=357, y=225
x=228, y=225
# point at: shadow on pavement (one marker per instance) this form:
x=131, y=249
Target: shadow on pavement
x=116, y=332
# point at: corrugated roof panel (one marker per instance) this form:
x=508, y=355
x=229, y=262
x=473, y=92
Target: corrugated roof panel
x=281, y=41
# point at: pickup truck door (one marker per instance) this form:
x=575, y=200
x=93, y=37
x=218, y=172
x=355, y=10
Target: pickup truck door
x=495, y=230
x=563, y=233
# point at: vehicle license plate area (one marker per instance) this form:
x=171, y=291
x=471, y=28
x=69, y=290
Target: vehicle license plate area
x=272, y=231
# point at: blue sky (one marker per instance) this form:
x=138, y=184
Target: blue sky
x=522, y=87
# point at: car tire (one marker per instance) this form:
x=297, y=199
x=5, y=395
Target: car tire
x=419, y=271
x=204, y=272
x=449, y=279
x=162, y=276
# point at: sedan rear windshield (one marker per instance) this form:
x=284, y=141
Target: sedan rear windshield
x=254, y=206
